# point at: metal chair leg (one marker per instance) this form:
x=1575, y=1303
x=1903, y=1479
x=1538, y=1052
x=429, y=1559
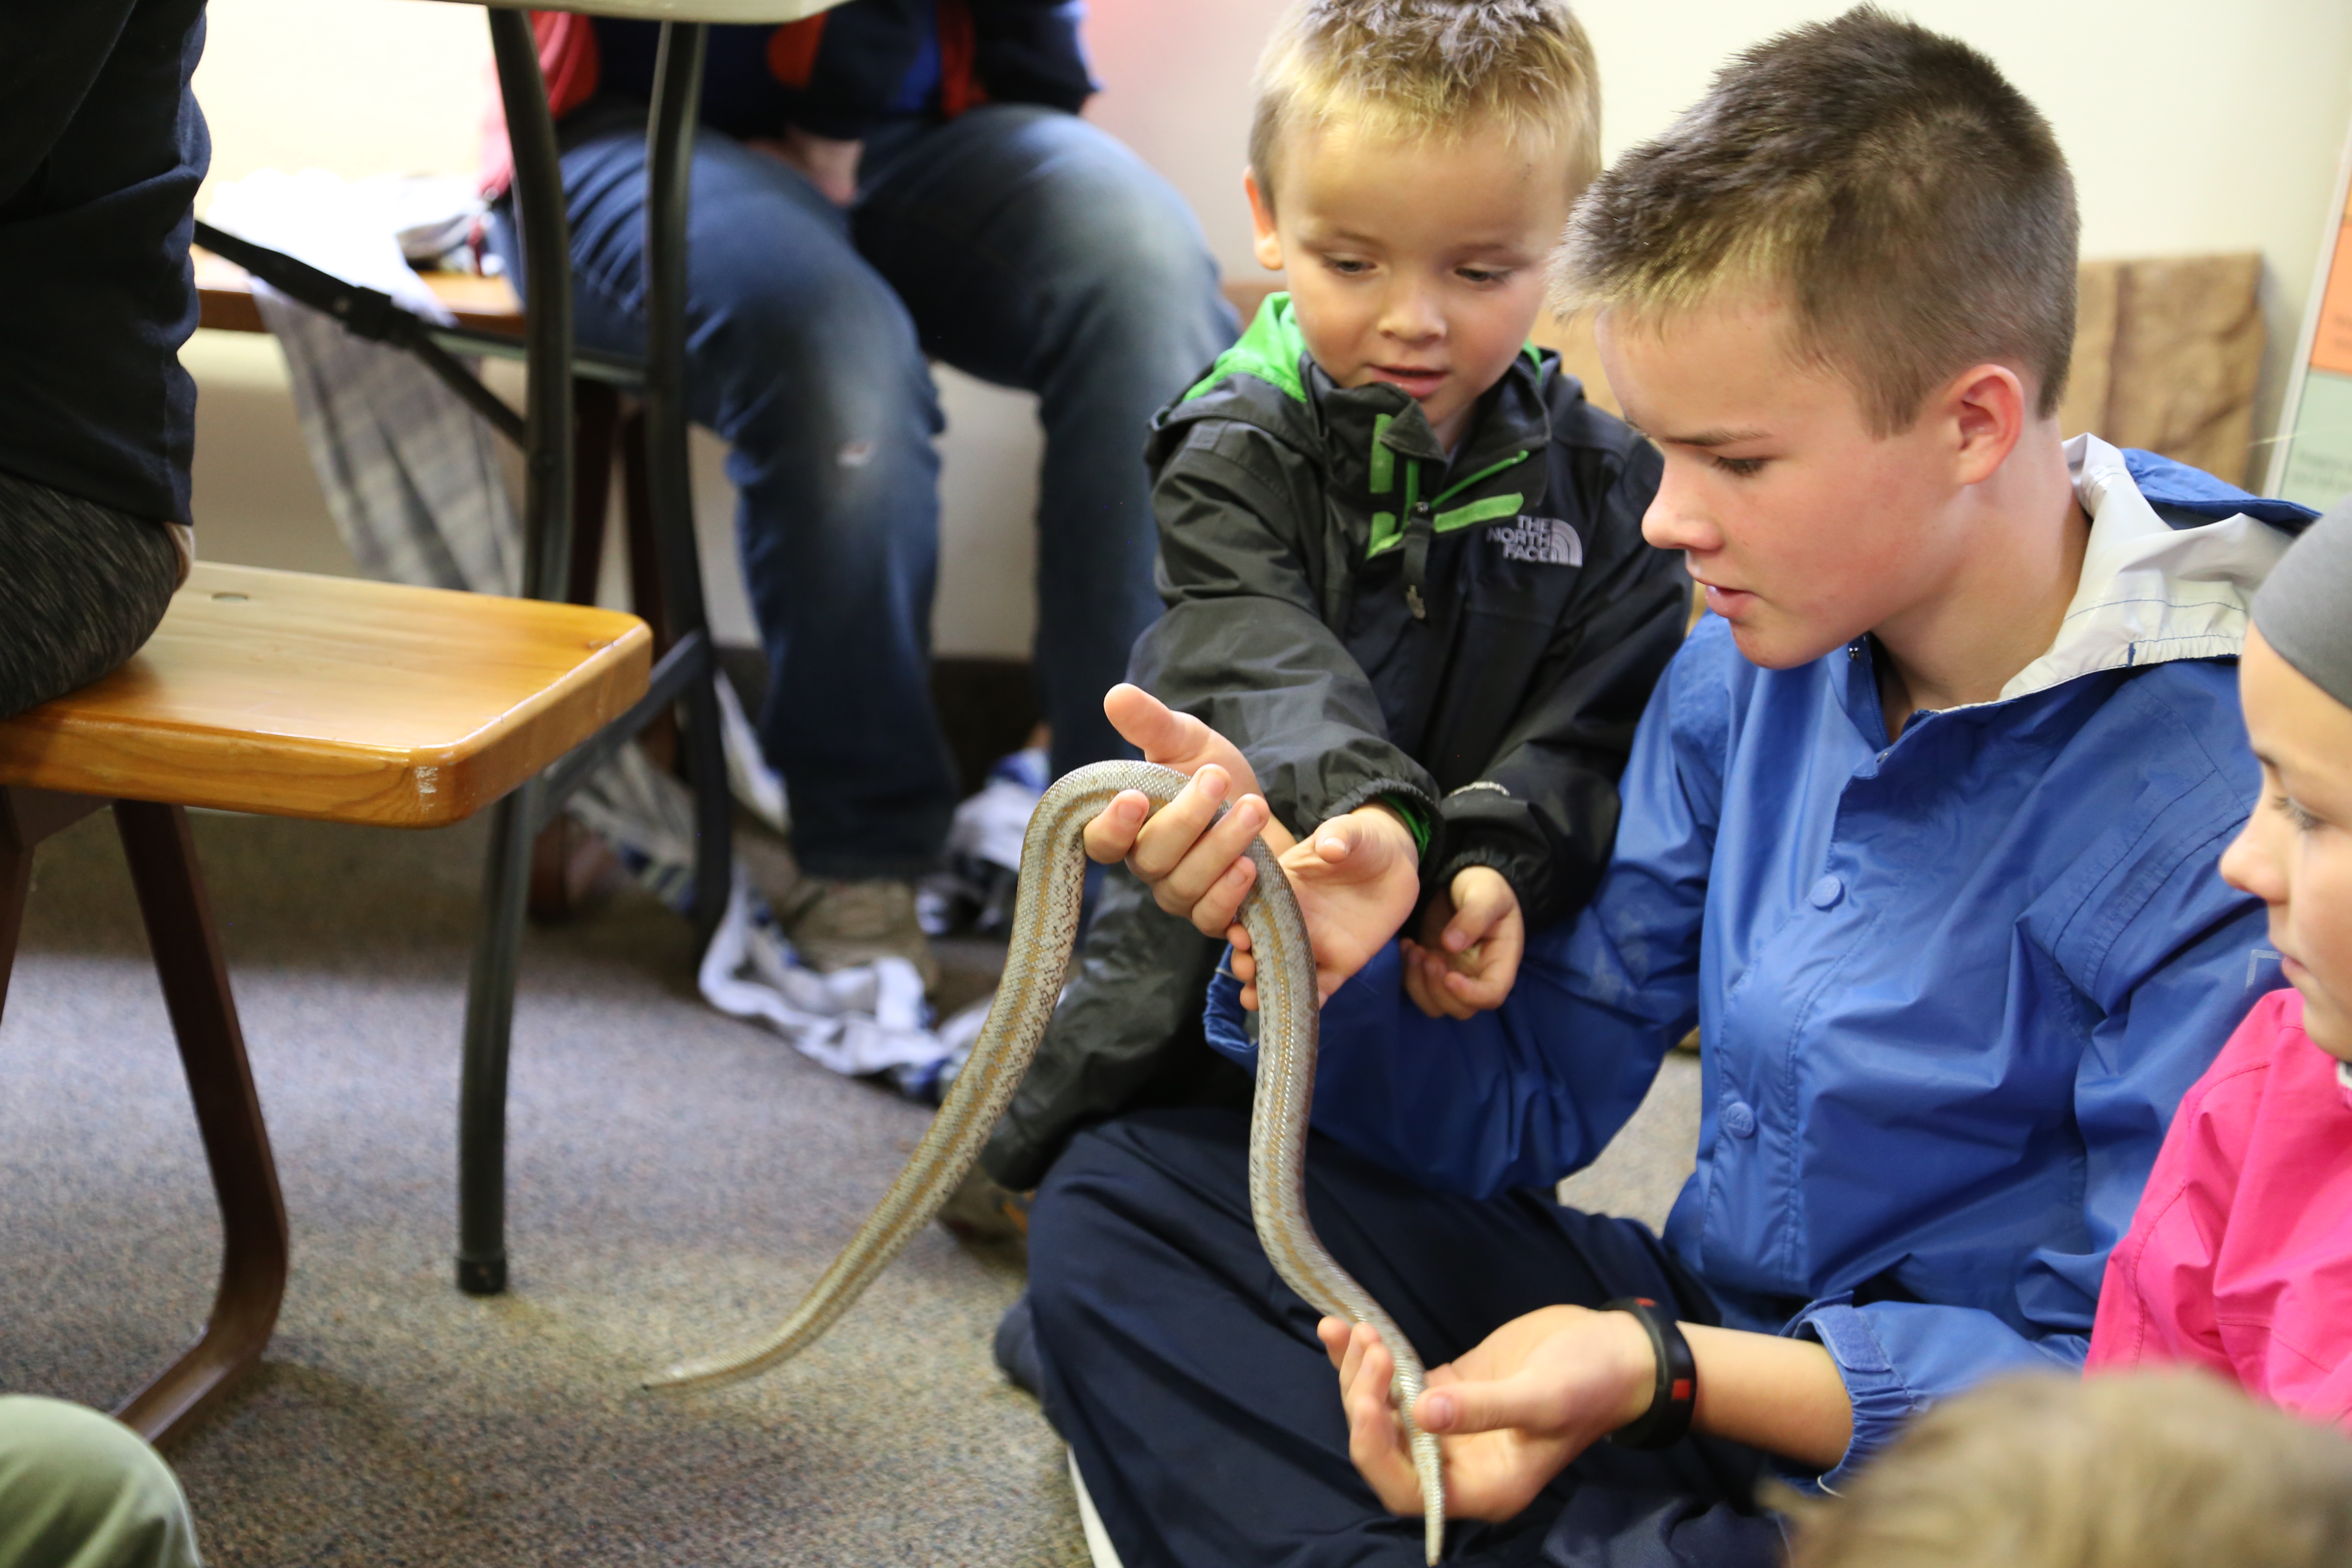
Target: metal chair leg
x=228, y=1113
x=669, y=159
x=489, y=1027
x=546, y=516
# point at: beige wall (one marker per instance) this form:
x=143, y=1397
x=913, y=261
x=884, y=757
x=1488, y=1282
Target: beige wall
x=2192, y=125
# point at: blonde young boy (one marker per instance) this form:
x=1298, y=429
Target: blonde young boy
x=1920, y=828
x=2154, y=1470
x=1402, y=554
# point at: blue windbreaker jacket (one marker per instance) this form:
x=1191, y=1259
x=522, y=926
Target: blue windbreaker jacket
x=1950, y=989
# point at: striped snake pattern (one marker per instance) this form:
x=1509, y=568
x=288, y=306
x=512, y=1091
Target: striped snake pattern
x=1046, y=924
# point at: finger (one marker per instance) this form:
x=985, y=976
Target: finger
x=1352, y=1362
x=1527, y=1403
x=1162, y=733
x=1111, y=835
x=1161, y=844
x=1215, y=910
x=1434, y=972
x=1212, y=856
x=1479, y=903
x=1488, y=982
x=1416, y=987
x=1431, y=1000
x=1334, y=1333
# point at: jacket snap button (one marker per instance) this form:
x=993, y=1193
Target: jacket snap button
x=1825, y=892
x=1738, y=1121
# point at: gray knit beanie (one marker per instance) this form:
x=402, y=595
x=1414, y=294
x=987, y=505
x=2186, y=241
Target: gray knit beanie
x=2305, y=607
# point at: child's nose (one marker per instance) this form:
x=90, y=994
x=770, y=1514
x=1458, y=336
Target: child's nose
x=2250, y=864
x=1410, y=314
x=1675, y=520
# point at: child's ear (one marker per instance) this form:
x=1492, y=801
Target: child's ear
x=1987, y=410
x=1264, y=243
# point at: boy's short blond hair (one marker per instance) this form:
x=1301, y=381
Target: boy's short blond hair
x=1907, y=204
x=2167, y=1469
x=1415, y=69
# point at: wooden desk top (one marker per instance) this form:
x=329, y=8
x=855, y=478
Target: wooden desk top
x=294, y=695
x=224, y=298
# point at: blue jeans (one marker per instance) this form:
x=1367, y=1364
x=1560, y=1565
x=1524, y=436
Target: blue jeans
x=1021, y=245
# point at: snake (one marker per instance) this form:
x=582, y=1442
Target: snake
x=1037, y=955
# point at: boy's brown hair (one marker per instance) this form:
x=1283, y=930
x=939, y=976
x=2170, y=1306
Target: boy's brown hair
x=2133, y=1470
x=1910, y=206
x=1429, y=69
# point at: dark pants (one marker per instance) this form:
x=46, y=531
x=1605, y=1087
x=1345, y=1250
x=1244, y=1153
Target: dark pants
x=1207, y=1421
x=81, y=587
x=1021, y=245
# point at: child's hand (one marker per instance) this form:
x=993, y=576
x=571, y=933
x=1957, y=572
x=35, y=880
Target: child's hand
x=1356, y=878
x=1468, y=954
x=1196, y=871
x=1508, y=1415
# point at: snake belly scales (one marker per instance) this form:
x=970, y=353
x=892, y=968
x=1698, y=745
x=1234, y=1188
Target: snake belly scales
x=1046, y=923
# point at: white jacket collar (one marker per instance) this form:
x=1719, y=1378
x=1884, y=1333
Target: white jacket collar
x=2149, y=592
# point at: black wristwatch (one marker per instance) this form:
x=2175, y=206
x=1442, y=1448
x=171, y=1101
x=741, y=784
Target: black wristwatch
x=1668, y=1419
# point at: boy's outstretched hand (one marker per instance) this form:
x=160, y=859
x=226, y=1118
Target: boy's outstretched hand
x=1468, y=954
x=1357, y=877
x=1195, y=871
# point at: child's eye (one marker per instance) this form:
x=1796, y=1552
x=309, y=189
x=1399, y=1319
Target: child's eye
x=1347, y=266
x=2287, y=806
x=1738, y=468
x=1484, y=277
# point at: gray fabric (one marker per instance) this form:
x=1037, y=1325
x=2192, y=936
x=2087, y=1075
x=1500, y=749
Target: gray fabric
x=2305, y=609
x=411, y=473
x=78, y=1489
x=81, y=587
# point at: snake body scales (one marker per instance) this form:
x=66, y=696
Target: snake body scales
x=1046, y=924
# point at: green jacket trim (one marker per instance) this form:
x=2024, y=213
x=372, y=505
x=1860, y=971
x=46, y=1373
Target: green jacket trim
x=1270, y=349
x=1387, y=534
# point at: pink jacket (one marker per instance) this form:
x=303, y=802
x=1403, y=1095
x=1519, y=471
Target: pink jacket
x=2239, y=1258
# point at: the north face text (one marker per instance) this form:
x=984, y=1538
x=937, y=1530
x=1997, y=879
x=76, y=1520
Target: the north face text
x=1544, y=540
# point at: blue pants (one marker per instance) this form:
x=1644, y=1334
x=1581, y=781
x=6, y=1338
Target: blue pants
x=1190, y=1385
x=1019, y=245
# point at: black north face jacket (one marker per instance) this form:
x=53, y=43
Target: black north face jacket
x=1471, y=639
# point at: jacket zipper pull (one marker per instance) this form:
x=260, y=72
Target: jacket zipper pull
x=1417, y=533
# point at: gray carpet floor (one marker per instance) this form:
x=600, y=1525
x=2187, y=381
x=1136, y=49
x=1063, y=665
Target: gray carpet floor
x=676, y=1180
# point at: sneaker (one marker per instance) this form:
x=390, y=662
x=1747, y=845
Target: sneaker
x=980, y=1210
x=836, y=924
x=1017, y=1347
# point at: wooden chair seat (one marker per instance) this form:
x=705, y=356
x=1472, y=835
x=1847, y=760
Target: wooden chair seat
x=293, y=695
x=290, y=695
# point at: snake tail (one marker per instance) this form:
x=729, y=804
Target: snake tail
x=1289, y=1019
x=1045, y=926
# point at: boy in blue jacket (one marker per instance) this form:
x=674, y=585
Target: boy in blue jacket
x=1920, y=828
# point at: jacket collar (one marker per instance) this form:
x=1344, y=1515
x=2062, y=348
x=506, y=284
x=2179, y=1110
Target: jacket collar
x=2151, y=591
x=1361, y=434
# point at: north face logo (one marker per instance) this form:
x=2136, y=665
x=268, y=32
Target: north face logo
x=1544, y=540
